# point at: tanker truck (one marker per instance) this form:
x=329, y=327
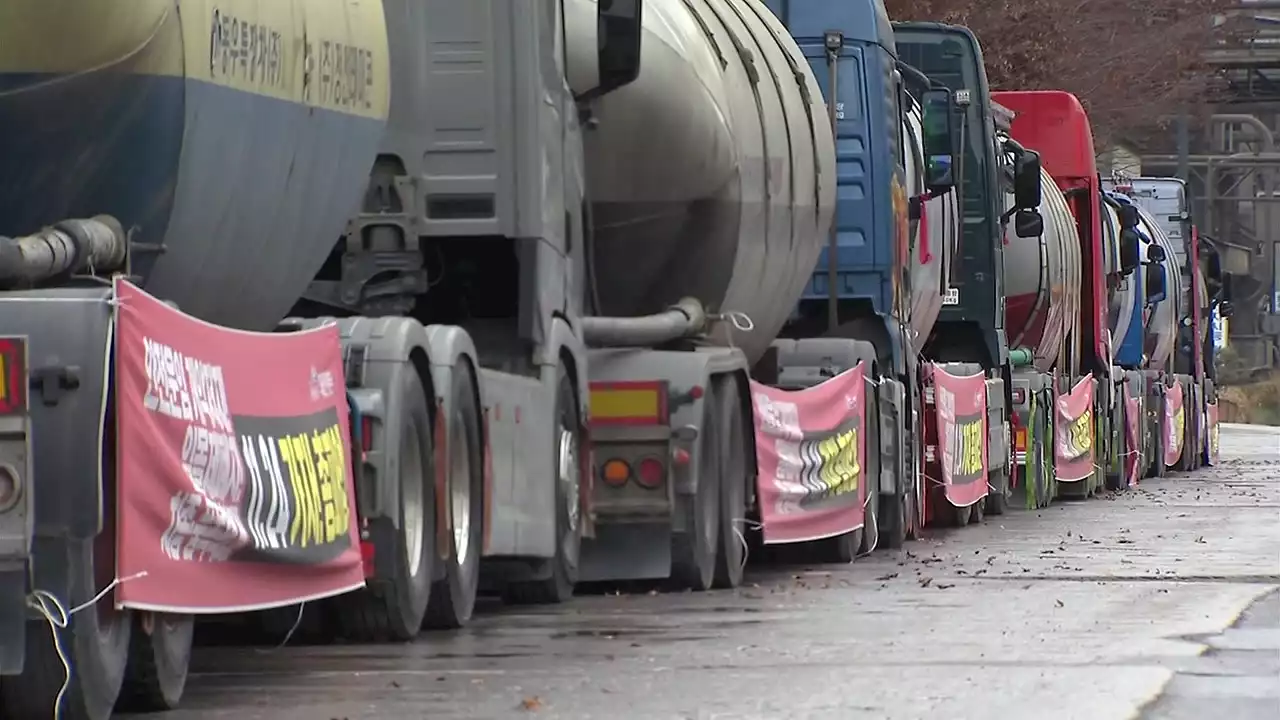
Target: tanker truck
x=1130, y=311
x=992, y=168
x=893, y=239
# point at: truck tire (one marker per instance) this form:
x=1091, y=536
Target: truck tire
x=158, y=662
x=453, y=597
x=1046, y=472
x=732, y=558
x=894, y=512
x=95, y=642
x=558, y=586
x=393, y=605
x=958, y=516
x=693, y=552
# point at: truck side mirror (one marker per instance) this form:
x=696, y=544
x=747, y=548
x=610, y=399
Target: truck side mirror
x=1129, y=217
x=1156, y=254
x=1129, y=250
x=618, y=30
x=1026, y=180
x=1155, y=283
x=938, y=121
x=1028, y=224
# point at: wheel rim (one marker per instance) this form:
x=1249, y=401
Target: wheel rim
x=460, y=492
x=568, y=454
x=411, y=495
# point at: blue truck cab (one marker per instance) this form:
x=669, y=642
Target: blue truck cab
x=849, y=45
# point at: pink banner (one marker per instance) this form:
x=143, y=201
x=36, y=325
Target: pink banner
x=1211, y=437
x=233, y=464
x=1175, y=423
x=960, y=413
x=811, y=451
x=1133, y=420
x=1074, y=455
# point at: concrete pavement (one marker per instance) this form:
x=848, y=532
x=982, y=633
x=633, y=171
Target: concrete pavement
x=1084, y=610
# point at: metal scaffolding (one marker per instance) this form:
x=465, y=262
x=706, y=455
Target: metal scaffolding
x=1232, y=171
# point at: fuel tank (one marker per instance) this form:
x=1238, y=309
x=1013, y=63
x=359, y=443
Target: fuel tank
x=1162, y=321
x=935, y=243
x=235, y=137
x=713, y=174
x=1042, y=280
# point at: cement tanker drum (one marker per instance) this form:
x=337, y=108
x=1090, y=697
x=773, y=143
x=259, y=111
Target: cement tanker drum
x=1042, y=280
x=705, y=183
x=224, y=151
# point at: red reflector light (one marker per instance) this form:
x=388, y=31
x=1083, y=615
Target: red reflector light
x=695, y=392
x=13, y=376
x=366, y=558
x=650, y=473
x=1019, y=396
x=366, y=433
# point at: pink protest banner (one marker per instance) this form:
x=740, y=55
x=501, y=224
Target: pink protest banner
x=1133, y=436
x=811, y=453
x=960, y=421
x=1175, y=422
x=1073, y=442
x=233, y=458
x=1211, y=437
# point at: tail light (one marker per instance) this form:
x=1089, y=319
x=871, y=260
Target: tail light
x=615, y=473
x=650, y=473
x=10, y=488
x=366, y=433
x=1019, y=395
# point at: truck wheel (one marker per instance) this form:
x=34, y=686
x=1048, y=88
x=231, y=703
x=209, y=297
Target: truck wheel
x=393, y=605
x=96, y=645
x=158, y=660
x=454, y=597
x=731, y=559
x=916, y=492
x=960, y=516
x=693, y=552
x=558, y=586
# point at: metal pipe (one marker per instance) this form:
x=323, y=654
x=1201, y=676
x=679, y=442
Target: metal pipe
x=1021, y=357
x=95, y=245
x=1260, y=128
x=684, y=319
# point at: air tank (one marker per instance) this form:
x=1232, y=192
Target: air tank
x=235, y=139
x=936, y=240
x=713, y=174
x=1042, y=280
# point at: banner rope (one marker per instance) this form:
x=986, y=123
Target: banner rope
x=58, y=617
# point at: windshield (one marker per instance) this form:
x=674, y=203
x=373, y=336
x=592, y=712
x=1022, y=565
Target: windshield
x=951, y=60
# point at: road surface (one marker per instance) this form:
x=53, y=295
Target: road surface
x=1111, y=608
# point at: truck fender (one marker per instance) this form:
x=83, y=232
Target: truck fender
x=386, y=347
x=562, y=337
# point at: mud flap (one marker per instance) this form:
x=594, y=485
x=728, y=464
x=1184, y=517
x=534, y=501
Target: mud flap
x=627, y=551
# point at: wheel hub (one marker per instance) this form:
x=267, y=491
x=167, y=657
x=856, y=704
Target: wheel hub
x=411, y=482
x=568, y=472
x=460, y=495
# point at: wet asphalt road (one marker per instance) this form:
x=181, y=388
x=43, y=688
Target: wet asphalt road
x=1111, y=608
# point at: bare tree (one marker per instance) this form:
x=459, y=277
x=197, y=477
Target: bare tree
x=1131, y=62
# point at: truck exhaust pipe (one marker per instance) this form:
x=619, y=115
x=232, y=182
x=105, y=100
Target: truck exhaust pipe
x=72, y=246
x=686, y=318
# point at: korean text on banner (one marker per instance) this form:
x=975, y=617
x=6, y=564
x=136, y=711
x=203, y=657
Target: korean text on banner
x=1133, y=419
x=1073, y=444
x=1175, y=423
x=234, y=481
x=811, y=451
x=960, y=411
